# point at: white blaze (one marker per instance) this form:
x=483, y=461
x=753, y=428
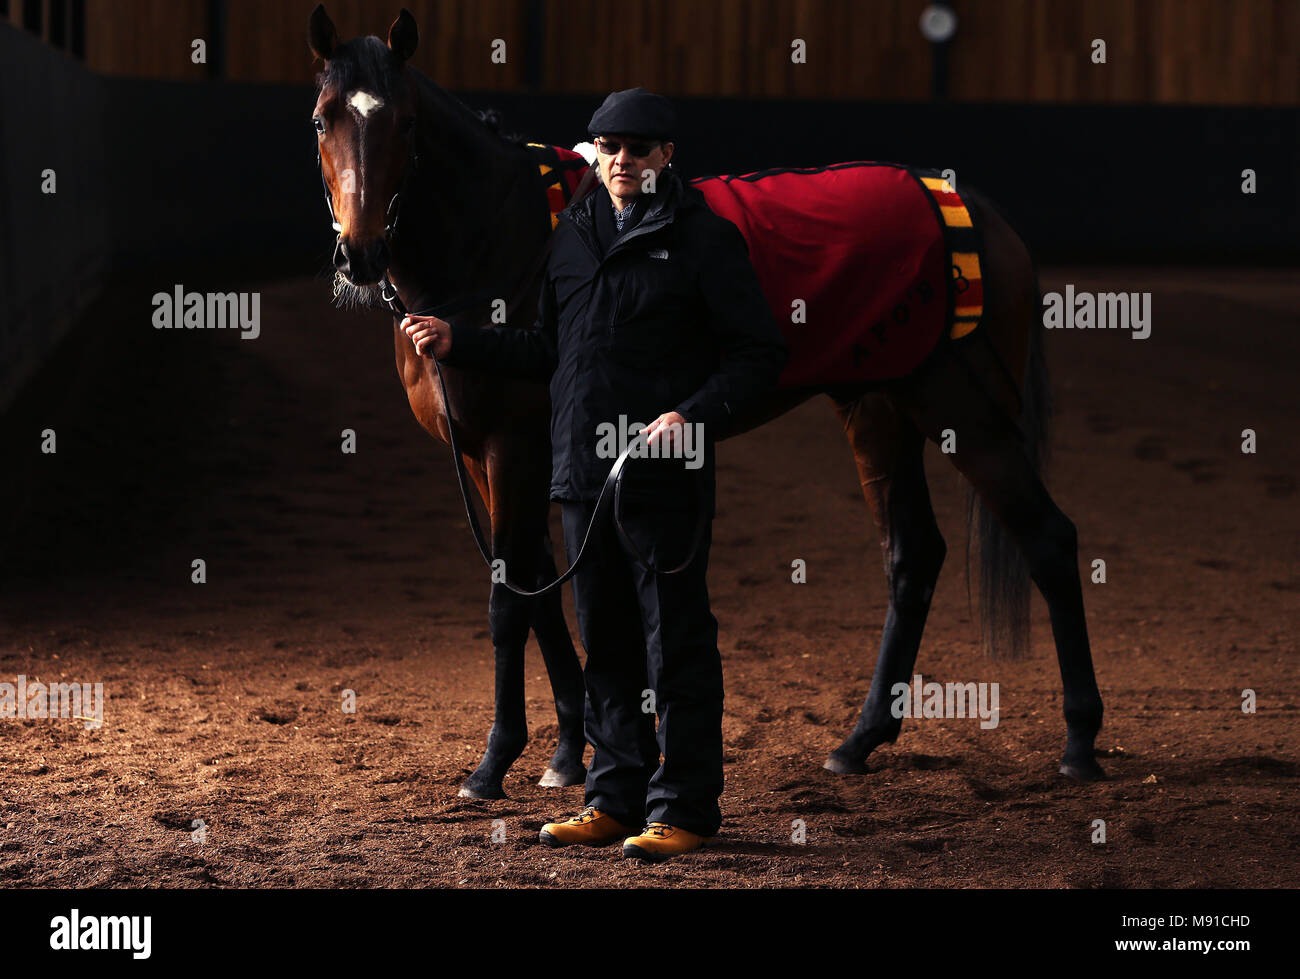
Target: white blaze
x=364, y=103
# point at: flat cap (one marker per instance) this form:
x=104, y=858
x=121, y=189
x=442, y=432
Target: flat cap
x=636, y=112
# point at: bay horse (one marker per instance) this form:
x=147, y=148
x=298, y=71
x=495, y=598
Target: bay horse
x=431, y=200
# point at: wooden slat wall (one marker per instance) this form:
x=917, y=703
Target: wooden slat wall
x=739, y=47
x=15, y=14
x=150, y=38
x=269, y=39
x=1164, y=51
x=1222, y=52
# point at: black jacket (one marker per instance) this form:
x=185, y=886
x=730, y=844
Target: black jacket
x=670, y=318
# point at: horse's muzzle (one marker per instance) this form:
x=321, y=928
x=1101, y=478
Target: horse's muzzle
x=361, y=266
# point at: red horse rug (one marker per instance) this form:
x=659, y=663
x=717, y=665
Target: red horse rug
x=866, y=266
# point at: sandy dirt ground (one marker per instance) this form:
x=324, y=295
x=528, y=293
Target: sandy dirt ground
x=329, y=572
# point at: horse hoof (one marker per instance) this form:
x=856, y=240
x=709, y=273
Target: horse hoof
x=468, y=791
x=844, y=766
x=1085, y=771
x=557, y=779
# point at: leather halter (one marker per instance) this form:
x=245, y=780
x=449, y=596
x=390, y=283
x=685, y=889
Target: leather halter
x=394, y=206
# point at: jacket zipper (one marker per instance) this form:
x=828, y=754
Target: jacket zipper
x=662, y=220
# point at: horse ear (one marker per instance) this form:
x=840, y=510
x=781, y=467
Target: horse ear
x=403, y=36
x=324, y=38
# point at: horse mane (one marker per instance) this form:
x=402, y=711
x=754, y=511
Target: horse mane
x=489, y=119
x=492, y=119
x=361, y=60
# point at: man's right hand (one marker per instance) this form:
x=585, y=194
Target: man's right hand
x=431, y=336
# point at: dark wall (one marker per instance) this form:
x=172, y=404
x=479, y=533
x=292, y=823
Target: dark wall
x=229, y=171
x=52, y=245
x=169, y=178
x=215, y=172
x=1082, y=183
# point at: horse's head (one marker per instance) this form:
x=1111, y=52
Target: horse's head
x=364, y=118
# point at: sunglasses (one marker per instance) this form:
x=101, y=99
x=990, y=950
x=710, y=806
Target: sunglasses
x=610, y=147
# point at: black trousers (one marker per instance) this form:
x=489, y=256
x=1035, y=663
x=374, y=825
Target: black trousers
x=652, y=649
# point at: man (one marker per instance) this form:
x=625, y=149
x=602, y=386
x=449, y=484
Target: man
x=650, y=309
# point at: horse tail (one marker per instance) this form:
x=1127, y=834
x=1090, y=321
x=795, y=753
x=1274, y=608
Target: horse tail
x=1004, y=582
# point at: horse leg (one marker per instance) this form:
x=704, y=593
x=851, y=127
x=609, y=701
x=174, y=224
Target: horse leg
x=565, y=672
x=990, y=453
x=1003, y=466
x=889, y=451
x=517, y=521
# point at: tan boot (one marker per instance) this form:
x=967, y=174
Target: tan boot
x=659, y=841
x=591, y=827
